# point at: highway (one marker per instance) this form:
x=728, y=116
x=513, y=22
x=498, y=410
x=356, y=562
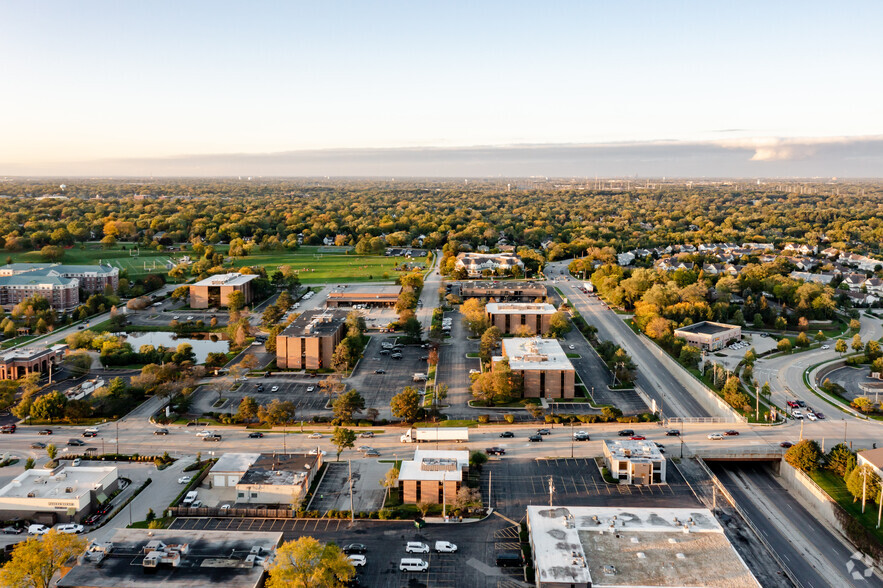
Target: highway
x=675, y=390
x=810, y=551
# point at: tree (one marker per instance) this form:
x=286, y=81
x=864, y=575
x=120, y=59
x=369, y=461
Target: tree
x=863, y=481
x=484, y=388
x=355, y=323
x=840, y=346
x=343, y=439
x=35, y=561
x=863, y=404
x=235, y=301
x=805, y=455
x=857, y=344
x=51, y=451
x=802, y=340
x=248, y=409
x=466, y=498
x=424, y=507
x=52, y=253
x=690, y=356
x=838, y=459
x=820, y=336
x=23, y=408
x=489, y=340
x=49, y=407
x=406, y=405
x=750, y=356
x=390, y=480
x=474, y=317
x=784, y=345
x=307, y=563
x=181, y=293
x=348, y=404
x=559, y=325
x=278, y=412
x=855, y=324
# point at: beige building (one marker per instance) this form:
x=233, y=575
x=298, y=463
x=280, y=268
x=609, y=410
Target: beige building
x=433, y=476
x=709, y=336
x=214, y=291
x=64, y=494
x=635, y=462
x=475, y=264
x=512, y=317
x=543, y=366
x=21, y=362
x=499, y=290
x=309, y=342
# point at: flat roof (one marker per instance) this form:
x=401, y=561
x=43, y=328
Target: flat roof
x=502, y=285
x=214, y=558
x=534, y=353
x=367, y=293
x=633, y=450
x=707, y=328
x=281, y=469
x=64, y=482
x=316, y=323
x=618, y=546
x=234, y=462
x=435, y=465
x=519, y=308
x=231, y=279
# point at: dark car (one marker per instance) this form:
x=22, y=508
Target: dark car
x=355, y=548
x=495, y=451
x=626, y=433
x=786, y=444
x=372, y=453
x=90, y=434
x=12, y=530
x=509, y=560
x=212, y=438
x=161, y=432
x=507, y=434
x=75, y=442
x=820, y=416
x=544, y=432
x=424, y=358
x=535, y=438
x=44, y=432
x=38, y=445
x=379, y=371
x=731, y=433
x=673, y=433
x=104, y=510
x=255, y=435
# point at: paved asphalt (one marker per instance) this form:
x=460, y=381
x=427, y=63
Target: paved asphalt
x=810, y=551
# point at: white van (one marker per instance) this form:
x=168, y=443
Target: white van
x=37, y=529
x=189, y=498
x=413, y=564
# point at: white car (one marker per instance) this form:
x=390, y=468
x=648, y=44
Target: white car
x=364, y=448
x=445, y=547
x=37, y=529
x=71, y=529
x=826, y=347
x=185, y=479
x=416, y=547
x=189, y=318
x=715, y=436
x=811, y=416
x=571, y=346
x=357, y=560
x=311, y=388
x=314, y=436
x=204, y=434
x=274, y=389
x=315, y=452
x=473, y=371
x=797, y=414
x=176, y=317
x=75, y=463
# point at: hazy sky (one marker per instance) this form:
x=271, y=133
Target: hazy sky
x=92, y=80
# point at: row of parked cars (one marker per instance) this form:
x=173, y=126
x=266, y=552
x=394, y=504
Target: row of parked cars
x=355, y=553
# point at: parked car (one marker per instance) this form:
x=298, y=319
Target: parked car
x=38, y=445
x=274, y=389
x=75, y=463
x=161, y=432
x=731, y=433
x=44, y=432
x=820, y=416
x=535, y=438
x=357, y=560
x=797, y=414
x=10, y=530
x=257, y=435
x=507, y=434
x=71, y=529
x=372, y=453
x=314, y=451
x=495, y=451
x=445, y=547
x=811, y=416
x=715, y=436
x=673, y=433
x=416, y=547
x=571, y=346
x=37, y=529
x=314, y=436
x=92, y=519
x=626, y=433
x=311, y=388
x=410, y=564
x=826, y=347
x=544, y=432
x=185, y=479
x=367, y=434
x=355, y=548
x=75, y=442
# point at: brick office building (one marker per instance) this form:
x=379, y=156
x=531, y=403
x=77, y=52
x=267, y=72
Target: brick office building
x=509, y=316
x=543, y=366
x=433, y=476
x=309, y=342
x=214, y=291
x=21, y=362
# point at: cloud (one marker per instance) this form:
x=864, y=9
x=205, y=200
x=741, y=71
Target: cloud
x=782, y=149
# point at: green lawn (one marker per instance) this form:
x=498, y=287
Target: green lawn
x=147, y=262
x=836, y=489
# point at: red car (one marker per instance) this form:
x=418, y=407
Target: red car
x=638, y=438
x=731, y=433
x=792, y=404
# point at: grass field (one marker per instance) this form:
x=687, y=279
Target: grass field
x=314, y=264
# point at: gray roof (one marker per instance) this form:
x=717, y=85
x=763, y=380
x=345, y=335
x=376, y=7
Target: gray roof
x=707, y=328
x=33, y=279
x=280, y=469
x=316, y=323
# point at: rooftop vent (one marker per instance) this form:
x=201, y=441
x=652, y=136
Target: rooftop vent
x=680, y=556
x=641, y=555
x=635, y=540
x=609, y=570
x=672, y=540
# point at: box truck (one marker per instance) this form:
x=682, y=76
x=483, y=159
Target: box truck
x=433, y=434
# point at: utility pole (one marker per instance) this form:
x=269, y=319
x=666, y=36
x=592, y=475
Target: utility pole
x=352, y=513
x=864, y=487
x=490, y=494
x=444, y=496
x=118, y=436
x=551, y=490
x=801, y=429
x=571, y=439
x=880, y=508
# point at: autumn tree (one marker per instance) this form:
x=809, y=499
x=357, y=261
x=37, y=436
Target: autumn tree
x=347, y=405
x=307, y=563
x=840, y=346
x=559, y=324
x=35, y=561
x=474, y=317
x=248, y=409
x=805, y=455
x=278, y=412
x=489, y=340
x=343, y=438
x=406, y=405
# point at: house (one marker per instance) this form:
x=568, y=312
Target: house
x=804, y=263
x=861, y=298
x=872, y=458
x=831, y=252
x=821, y=278
x=874, y=286
x=547, y=243
x=802, y=249
x=625, y=258
x=854, y=281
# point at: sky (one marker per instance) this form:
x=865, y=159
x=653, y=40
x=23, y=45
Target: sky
x=134, y=87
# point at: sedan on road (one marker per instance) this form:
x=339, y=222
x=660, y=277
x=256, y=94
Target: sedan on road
x=185, y=479
x=731, y=433
x=379, y=371
x=255, y=435
x=368, y=434
x=544, y=432
x=75, y=442
x=507, y=434
x=161, y=432
x=314, y=436
x=495, y=451
x=637, y=438
x=786, y=444
x=38, y=445
x=44, y=432
x=535, y=438
x=715, y=436
x=673, y=433
x=204, y=434
x=626, y=433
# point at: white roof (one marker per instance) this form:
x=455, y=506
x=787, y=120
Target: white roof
x=534, y=353
x=235, y=462
x=232, y=279
x=42, y=483
x=435, y=465
x=519, y=308
x=633, y=450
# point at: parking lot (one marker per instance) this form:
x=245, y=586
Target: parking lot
x=516, y=483
x=308, y=402
x=472, y=565
x=378, y=389
x=334, y=491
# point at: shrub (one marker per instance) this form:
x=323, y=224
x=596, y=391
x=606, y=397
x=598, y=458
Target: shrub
x=483, y=418
x=509, y=418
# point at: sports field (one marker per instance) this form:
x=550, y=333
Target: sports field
x=147, y=261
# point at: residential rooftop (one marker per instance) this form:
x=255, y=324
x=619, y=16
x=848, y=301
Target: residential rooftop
x=231, y=279
x=707, y=328
x=207, y=558
x=534, y=353
x=519, y=308
x=614, y=546
x=316, y=323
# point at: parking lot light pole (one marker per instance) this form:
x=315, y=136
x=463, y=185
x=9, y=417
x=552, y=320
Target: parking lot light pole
x=571, y=439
